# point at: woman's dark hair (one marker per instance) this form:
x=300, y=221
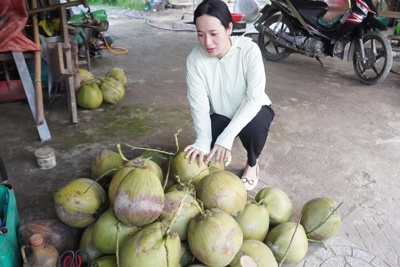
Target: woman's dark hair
x=215, y=8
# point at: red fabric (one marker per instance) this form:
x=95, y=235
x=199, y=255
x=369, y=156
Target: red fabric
x=331, y=15
x=13, y=17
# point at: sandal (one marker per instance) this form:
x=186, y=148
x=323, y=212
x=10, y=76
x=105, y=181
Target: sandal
x=249, y=183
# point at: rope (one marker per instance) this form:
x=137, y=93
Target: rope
x=112, y=49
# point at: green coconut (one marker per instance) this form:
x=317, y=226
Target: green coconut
x=258, y=251
x=80, y=202
x=320, y=218
x=179, y=208
x=153, y=245
x=186, y=172
x=223, y=190
x=105, y=164
x=186, y=256
x=218, y=165
x=254, y=221
x=116, y=181
x=89, y=96
x=105, y=261
x=86, y=244
x=278, y=203
x=113, y=91
x=290, y=239
x=213, y=169
x=141, y=161
x=85, y=76
x=139, y=199
x=118, y=74
x=109, y=231
x=214, y=237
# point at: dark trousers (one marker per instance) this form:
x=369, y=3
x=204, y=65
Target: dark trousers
x=253, y=135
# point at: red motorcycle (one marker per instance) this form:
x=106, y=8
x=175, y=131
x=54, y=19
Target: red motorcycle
x=297, y=26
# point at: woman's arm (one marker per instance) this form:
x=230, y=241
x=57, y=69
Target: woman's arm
x=254, y=75
x=199, y=106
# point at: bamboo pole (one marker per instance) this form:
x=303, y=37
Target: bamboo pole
x=38, y=69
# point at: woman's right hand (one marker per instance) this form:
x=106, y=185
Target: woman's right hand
x=192, y=153
x=221, y=154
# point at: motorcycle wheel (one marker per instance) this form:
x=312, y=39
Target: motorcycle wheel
x=379, y=59
x=270, y=50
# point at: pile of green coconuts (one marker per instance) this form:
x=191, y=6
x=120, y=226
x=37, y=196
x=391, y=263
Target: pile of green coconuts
x=95, y=91
x=159, y=210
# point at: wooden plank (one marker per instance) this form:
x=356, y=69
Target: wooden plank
x=72, y=99
x=60, y=61
x=25, y=76
x=389, y=14
x=4, y=56
x=70, y=80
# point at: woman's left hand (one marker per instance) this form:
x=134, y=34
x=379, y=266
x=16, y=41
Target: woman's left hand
x=192, y=153
x=221, y=154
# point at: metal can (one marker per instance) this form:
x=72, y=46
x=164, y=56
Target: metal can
x=45, y=158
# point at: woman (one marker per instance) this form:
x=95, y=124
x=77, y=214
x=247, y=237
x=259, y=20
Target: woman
x=226, y=83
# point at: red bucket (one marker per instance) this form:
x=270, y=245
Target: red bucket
x=236, y=17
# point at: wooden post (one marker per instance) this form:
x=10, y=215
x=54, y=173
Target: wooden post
x=38, y=69
x=70, y=80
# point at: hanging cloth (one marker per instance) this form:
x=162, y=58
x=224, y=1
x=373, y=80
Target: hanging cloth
x=13, y=18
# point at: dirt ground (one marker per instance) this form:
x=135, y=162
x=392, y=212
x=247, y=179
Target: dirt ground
x=332, y=135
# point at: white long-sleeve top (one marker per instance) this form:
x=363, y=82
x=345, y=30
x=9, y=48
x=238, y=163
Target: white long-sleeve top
x=233, y=86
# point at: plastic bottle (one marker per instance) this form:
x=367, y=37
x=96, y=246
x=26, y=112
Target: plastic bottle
x=43, y=255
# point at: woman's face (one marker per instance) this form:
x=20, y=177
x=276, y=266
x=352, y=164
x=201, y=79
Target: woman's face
x=212, y=35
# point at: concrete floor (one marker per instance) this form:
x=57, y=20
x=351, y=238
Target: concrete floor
x=332, y=136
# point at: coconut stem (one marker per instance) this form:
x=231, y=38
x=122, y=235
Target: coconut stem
x=290, y=243
x=253, y=198
x=117, y=245
x=166, y=248
x=167, y=176
x=92, y=183
x=201, y=207
x=327, y=218
x=90, y=81
x=151, y=149
x=178, y=211
x=159, y=150
x=120, y=153
x=105, y=174
x=178, y=180
x=176, y=140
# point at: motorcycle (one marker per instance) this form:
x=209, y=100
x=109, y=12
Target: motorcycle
x=92, y=25
x=296, y=26
x=96, y=20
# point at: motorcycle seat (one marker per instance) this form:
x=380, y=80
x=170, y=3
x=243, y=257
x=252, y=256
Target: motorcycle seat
x=310, y=5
